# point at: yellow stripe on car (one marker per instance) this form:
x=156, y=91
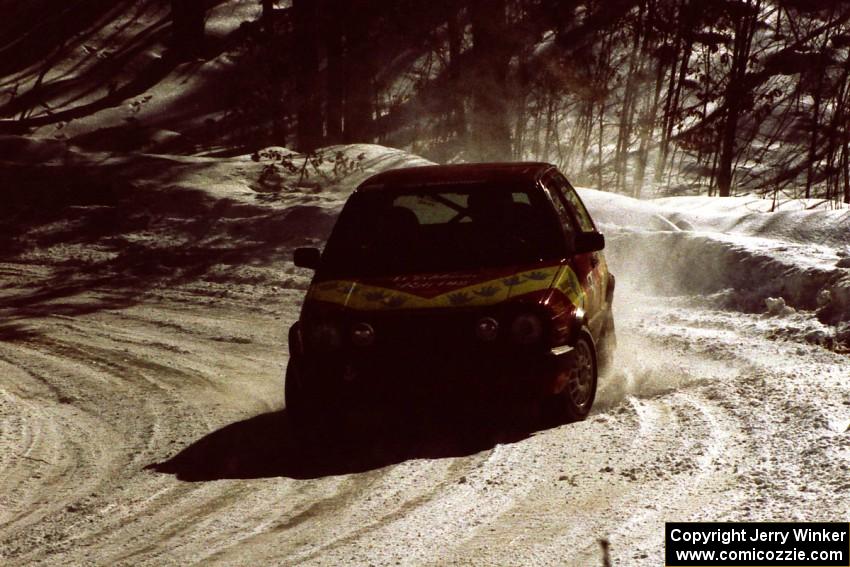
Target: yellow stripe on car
x=568, y=283
x=361, y=296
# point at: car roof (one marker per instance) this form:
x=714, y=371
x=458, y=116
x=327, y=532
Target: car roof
x=458, y=174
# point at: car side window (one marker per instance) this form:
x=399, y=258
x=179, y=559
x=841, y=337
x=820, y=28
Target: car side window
x=560, y=206
x=564, y=215
x=583, y=217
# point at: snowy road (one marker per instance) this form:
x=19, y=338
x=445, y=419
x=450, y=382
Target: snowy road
x=142, y=350
x=711, y=416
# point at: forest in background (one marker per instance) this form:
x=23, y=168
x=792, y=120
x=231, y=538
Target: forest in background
x=642, y=97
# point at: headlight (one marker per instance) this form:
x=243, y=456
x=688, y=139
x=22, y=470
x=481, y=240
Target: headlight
x=325, y=336
x=526, y=329
x=487, y=329
x=363, y=335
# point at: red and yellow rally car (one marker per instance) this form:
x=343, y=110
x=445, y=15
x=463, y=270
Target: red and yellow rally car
x=449, y=282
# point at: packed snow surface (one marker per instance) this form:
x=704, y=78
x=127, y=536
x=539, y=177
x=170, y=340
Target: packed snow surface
x=144, y=304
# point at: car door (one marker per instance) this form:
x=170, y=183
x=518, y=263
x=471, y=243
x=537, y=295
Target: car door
x=590, y=267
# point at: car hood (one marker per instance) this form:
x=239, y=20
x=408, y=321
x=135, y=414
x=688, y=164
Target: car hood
x=435, y=290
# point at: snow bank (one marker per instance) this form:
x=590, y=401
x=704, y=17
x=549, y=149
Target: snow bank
x=805, y=221
x=732, y=249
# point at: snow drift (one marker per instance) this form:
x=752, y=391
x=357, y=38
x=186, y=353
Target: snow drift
x=730, y=248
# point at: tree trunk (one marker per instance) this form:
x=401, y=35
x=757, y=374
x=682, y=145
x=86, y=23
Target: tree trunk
x=456, y=110
x=187, y=27
x=727, y=143
x=845, y=163
x=667, y=118
x=816, y=112
x=306, y=75
x=268, y=12
x=335, y=77
x=550, y=119
x=627, y=114
x=359, y=87
x=677, y=94
x=587, y=117
x=521, y=100
x=599, y=180
x=733, y=98
x=490, y=130
x=647, y=128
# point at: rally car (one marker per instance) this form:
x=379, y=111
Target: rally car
x=458, y=282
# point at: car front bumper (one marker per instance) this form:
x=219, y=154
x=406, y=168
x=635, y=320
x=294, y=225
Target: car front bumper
x=398, y=378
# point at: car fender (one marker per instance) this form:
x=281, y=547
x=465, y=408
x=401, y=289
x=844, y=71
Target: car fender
x=296, y=344
x=580, y=326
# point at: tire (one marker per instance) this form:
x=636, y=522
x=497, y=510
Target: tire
x=294, y=398
x=307, y=417
x=575, y=401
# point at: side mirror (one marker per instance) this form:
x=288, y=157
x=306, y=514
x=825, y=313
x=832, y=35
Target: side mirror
x=307, y=258
x=589, y=242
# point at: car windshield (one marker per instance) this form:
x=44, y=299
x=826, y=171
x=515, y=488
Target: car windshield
x=452, y=228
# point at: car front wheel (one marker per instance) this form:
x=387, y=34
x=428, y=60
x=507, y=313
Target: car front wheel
x=295, y=400
x=578, y=378
x=306, y=411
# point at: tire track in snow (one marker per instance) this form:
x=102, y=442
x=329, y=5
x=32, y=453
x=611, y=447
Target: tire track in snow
x=679, y=434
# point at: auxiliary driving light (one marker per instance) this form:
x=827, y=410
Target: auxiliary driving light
x=325, y=336
x=526, y=329
x=487, y=329
x=363, y=335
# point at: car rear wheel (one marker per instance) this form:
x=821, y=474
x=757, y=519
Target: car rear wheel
x=578, y=377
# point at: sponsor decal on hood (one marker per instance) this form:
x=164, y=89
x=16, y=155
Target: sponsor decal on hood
x=454, y=289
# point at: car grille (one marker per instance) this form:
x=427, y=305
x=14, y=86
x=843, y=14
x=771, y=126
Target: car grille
x=426, y=332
